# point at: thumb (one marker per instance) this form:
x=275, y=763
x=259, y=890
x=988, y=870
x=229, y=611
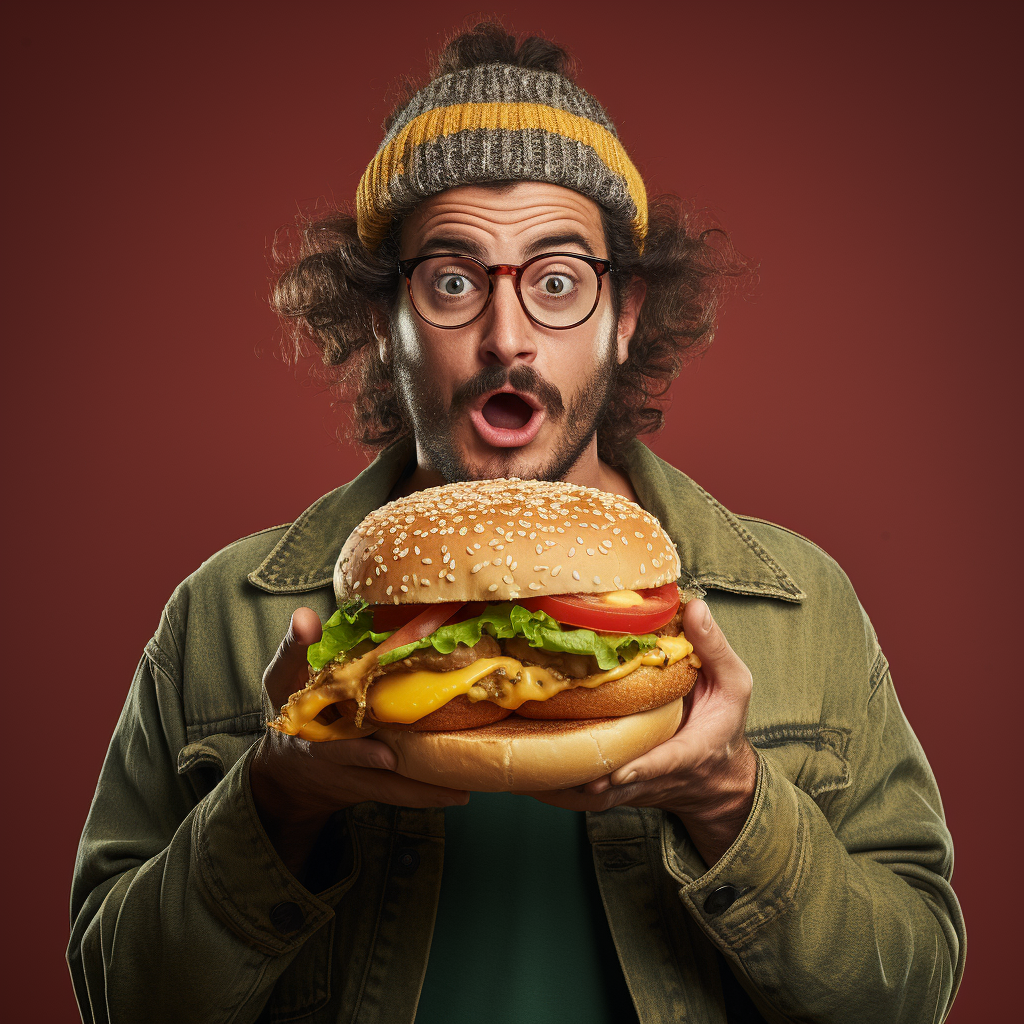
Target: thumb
x=719, y=662
x=289, y=671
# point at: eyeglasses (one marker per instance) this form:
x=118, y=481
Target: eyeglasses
x=558, y=290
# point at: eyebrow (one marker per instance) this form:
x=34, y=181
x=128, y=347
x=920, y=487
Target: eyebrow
x=463, y=244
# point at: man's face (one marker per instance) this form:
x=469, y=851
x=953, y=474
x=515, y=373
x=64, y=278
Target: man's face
x=505, y=396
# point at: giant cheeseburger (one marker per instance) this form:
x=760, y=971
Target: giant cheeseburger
x=502, y=634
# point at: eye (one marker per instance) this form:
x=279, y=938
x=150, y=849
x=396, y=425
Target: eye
x=556, y=284
x=453, y=283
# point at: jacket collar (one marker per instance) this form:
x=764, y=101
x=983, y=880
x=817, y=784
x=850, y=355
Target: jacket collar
x=717, y=551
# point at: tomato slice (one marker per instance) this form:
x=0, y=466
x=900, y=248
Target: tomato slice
x=588, y=611
x=428, y=618
x=393, y=616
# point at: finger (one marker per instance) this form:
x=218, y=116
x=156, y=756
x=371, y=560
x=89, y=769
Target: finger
x=719, y=662
x=678, y=753
x=392, y=788
x=363, y=753
x=288, y=671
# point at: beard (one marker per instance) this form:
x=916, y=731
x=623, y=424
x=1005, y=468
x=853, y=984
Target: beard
x=435, y=422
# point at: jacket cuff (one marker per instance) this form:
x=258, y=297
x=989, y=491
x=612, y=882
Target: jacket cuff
x=241, y=875
x=757, y=878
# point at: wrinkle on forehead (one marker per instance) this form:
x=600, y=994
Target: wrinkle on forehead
x=503, y=221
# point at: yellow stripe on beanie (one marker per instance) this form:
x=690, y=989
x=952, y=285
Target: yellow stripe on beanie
x=374, y=201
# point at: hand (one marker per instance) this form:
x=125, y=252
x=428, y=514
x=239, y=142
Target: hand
x=297, y=785
x=706, y=773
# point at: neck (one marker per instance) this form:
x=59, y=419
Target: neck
x=588, y=471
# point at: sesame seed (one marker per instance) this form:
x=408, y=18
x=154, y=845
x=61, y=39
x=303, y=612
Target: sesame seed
x=643, y=568
x=557, y=569
x=597, y=581
x=535, y=586
x=493, y=587
x=497, y=561
x=463, y=531
x=476, y=568
x=416, y=549
x=590, y=551
x=572, y=551
x=575, y=575
x=427, y=561
x=623, y=539
x=424, y=582
x=617, y=582
x=389, y=591
x=368, y=581
x=508, y=559
x=507, y=579
x=357, y=584
x=540, y=568
x=539, y=549
x=478, y=528
x=404, y=589
x=450, y=578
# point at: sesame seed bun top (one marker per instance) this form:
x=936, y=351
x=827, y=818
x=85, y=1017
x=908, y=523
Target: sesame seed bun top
x=503, y=540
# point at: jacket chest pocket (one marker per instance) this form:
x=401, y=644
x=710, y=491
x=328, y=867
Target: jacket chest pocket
x=206, y=761
x=812, y=757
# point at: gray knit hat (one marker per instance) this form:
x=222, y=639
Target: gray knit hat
x=498, y=122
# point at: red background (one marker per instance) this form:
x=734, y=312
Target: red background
x=865, y=398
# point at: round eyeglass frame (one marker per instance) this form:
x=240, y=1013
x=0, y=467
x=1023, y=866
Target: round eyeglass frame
x=600, y=267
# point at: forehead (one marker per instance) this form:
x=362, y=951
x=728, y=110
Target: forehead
x=504, y=221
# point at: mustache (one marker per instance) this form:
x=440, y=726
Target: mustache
x=524, y=379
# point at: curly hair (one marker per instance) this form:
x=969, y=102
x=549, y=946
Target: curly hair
x=329, y=283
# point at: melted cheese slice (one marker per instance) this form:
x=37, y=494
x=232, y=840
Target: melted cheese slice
x=622, y=598
x=406, y=697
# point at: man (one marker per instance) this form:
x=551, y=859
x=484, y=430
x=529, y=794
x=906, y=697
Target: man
x=783, y=857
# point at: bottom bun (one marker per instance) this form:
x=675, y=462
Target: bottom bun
x=529, y=754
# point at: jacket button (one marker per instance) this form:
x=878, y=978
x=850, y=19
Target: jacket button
x=287, y=917
x=722, y=899
x=407, y=861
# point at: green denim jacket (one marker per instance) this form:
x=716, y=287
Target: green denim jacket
x=833, y=904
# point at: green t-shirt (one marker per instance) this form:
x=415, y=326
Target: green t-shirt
x=521, y=935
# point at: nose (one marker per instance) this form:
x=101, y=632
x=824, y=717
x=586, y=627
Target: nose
x=508, y=334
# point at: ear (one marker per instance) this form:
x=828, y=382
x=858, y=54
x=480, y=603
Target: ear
x=380, y=332
x=628, y=316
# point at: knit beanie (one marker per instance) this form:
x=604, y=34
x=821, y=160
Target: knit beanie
x=498, y=122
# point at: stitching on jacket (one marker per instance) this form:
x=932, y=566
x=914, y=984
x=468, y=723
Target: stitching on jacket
x=267, y=572
x=770, y=910
x=376, y=924
x=785, y=581
x=248, y=723
x=829, y=738
x=164, y=665
x=879, y=670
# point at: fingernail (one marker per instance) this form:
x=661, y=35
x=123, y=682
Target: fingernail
x=628, y=779
x=706, y=621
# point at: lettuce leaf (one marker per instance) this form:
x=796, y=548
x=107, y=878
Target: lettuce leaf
x=506, y=620
x=351, y=624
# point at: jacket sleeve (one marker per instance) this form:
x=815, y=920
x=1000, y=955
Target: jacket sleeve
x=850, y=917
x=181, y=910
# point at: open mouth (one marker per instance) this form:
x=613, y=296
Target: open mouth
x=506, y=411
x=508, y=420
